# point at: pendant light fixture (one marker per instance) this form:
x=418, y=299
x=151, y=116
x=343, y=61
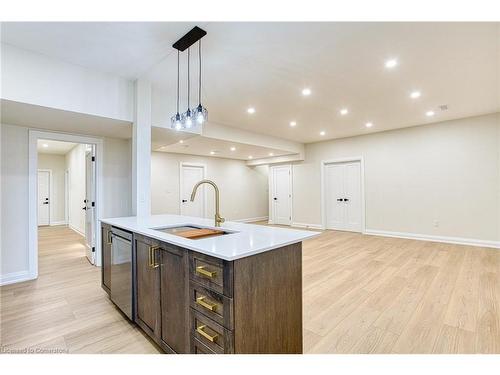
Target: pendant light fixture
x=176, y=119
x=199, y=114
x=187, y=119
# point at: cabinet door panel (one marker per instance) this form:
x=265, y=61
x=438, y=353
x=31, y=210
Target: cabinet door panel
x=147, y=288
x=174, y=304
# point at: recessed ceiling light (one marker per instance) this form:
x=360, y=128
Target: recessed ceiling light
x=251, y=110
x=415, y=94
x=271, y=154
x=306, y=92
x=45, y=145
x=429, y=113
x=293, y=123
x=212, y=152
x=250, y=157
x=181, y=141
x=322, y=133
x=389, y=64
x=344, y=111
x=233, y=148
x=369, y=124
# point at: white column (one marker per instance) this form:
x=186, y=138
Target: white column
x=141, y=150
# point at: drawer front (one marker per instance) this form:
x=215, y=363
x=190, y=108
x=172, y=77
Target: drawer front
x=211, y=334
x=198, y=347
x=213, y=273
x=212, y=304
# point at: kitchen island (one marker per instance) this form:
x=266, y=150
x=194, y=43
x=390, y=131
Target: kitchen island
x=237, y=290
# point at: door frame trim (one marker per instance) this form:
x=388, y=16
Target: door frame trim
x=51, y=213
x=290, y=189
x=34, y=136
x=323, y=164
x=181, y=184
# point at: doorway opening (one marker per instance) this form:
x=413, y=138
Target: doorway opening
x=66, y=190
x=342, y=194
x=64, y=195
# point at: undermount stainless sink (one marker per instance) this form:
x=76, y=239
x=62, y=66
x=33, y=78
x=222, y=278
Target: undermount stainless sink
x=176, y=231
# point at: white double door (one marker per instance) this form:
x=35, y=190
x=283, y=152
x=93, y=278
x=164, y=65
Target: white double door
x=343, y=205
x=281, y=194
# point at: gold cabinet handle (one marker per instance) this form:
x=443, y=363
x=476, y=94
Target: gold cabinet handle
x=201, y=301
x=110, y=241
x=201, y=331
x=202, y=271
x=151, y=258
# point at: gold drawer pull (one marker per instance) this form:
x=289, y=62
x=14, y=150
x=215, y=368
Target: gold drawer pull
x=200, y=330
x=201, y=301
x=151, y=260
x=201, y=270
x=110, y=240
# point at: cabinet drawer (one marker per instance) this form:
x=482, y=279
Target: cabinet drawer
x=212, y=304
x=212, y=273
x=198, y=347
x=210, y=333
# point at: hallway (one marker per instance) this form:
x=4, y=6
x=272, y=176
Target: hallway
x=65, y=310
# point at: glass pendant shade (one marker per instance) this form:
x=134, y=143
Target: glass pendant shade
x=176, y=122
x=200, y=114
x=187, y=119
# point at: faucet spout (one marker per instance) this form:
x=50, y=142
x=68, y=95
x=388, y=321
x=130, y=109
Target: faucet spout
x=218, y=219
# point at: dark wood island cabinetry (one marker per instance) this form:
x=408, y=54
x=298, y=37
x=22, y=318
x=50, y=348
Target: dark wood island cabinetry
x=189, y=302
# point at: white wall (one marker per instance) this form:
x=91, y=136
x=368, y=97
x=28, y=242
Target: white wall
x=75, y=164
x=33, y=78
x=57, y=164
x=243, y=189
x=448, y=172
x=14, y=195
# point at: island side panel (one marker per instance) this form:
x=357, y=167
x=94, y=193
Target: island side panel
x=268, y=302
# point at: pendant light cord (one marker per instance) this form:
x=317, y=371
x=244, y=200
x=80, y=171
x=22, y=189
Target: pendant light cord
x=199, y=84
x=178, y=56
x=189, y=82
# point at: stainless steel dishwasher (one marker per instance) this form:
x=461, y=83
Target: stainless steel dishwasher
x=121, y=270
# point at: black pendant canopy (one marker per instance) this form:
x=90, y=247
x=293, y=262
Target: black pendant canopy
x=189, y=39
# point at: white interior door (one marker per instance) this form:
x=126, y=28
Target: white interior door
x=89, y=204
x=43, y=198
x=190, y=175
x=281, y=194
x=343, y=201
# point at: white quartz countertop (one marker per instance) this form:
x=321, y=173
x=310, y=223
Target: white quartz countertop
x=245, y=239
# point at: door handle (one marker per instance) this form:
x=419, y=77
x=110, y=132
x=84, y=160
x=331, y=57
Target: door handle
x=84, y=208
x=184, y=200
x=339, y=199
x=45, y=202
x=275, y=198
x=346, y=199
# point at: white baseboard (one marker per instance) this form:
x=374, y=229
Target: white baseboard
x=309, y=226
x=54, y=223
x=16, y=277
x=427, y=237
x=76, y=230
x=252, y=219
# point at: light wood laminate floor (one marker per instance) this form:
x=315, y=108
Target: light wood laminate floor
x=362, y=294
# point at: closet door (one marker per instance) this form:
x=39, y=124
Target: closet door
x=343, y=196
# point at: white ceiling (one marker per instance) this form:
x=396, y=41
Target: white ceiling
x=203, y=146
x=126, y=49
x=266, y=65
x=54, y=147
